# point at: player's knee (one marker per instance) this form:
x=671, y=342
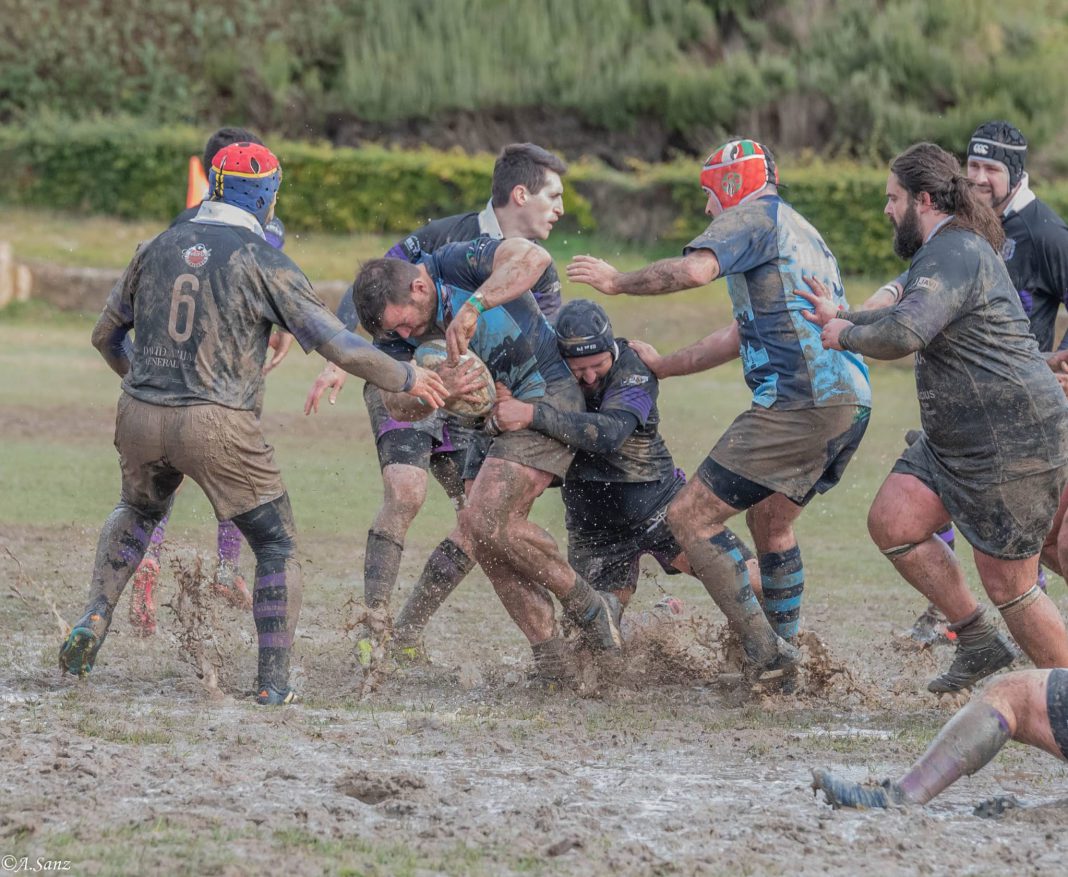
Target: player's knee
x=269, y=530
x=404, y=494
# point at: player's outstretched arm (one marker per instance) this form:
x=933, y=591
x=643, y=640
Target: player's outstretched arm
x=714, y=349
x=597, y=432
x=517, y=265
x=461, y=382
x=109, y=338
x=363, y=359
x=668, y=275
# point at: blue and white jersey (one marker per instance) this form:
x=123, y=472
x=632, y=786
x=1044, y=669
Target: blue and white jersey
x=763, y=248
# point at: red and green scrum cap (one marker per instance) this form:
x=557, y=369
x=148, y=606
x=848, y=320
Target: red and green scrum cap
x=737, y=171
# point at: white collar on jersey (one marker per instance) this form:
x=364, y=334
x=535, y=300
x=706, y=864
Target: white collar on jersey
x=221, y=213
x=488, y=224
x=1022, y=197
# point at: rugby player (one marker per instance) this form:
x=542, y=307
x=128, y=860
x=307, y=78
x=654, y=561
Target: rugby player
x=618, y=488
x=1029, y=706
x=526, y=202
x=476, y=294
x=1035, y=252
x=994, y=446
x=202, y=298
x=226, y=578
x=809, y=411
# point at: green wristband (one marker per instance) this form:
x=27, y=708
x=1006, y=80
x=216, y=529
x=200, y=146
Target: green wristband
x=477, y=304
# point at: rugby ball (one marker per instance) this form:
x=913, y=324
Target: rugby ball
x=432, y=355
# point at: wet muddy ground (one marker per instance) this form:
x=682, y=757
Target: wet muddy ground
x=655, y=766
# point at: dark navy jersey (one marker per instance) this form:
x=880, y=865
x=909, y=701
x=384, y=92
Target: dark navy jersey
x=460, y=228
x=764, y=248
x=202, y=298
x=990, y=406
x=1036, y=254
x=514, y=340
x=624, y=489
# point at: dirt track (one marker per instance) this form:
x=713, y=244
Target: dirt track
x=463, y=767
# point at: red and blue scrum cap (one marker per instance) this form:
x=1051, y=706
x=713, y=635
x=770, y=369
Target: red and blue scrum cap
x=738, y=171
x=246, y=175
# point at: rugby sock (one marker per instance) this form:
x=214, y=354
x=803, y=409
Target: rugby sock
x=275, y=605
x=581, y=602
x=276, y=596
x=967, y=742
x=782, y=578
x=228, y=543
x=446, y=567
x=121, y=546
x=947, y=535
x=381, y=563
x=155, y=543
x=720, y=565
x=974, y=631
x=551, y=659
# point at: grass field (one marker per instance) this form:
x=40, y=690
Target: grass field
x=459, y=768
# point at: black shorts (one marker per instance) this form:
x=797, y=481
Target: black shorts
x=1007, y=520
x=609, y=560
x=1057, y=707
x=795, y=452
x=413, y=444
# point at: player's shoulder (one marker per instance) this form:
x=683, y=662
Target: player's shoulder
x=448, y=229
x=629, y=370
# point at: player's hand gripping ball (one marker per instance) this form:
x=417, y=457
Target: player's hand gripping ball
x=475, y=403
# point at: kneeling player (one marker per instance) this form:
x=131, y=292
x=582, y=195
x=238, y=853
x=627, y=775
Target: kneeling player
x=623, y=478
x=1029, y=706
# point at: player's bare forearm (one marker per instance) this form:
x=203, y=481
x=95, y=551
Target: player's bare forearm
x=517, y=265
x=670, y=275
x=361, y=358
x=109, y=338
x=714, y=349
x=885, y=339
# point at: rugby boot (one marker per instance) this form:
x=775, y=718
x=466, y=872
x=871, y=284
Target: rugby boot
x=972, y=663
x=409, y=653
x=269, y=696
x=930, y=627
x=779, y=671
x=600, y=629
x=229, y=584
x=142, y=612
x=844, y=793
x=78, y=654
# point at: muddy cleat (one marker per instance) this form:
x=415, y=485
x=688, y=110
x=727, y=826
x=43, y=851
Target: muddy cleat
x=600, y=630
x=78, y=654
x=411, y=654
x=974, y=663
x=269, y=696
x=780, y=671
x=844, y=793
x=229, y=584
x=930, y=627
x=142, y=612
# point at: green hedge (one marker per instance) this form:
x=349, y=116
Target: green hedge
x=123, y=169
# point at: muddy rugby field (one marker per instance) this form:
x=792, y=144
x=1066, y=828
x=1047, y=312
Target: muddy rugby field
x=657, y=765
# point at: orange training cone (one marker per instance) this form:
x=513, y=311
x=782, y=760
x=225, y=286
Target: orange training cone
x=197, y=187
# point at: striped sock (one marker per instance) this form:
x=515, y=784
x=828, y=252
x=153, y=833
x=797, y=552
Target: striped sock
x=782, y=577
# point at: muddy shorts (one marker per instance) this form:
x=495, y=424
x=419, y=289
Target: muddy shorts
x=221, y=449
x=795, y=452
x=1057, y=707
x=527, y=447
x=1007, y=520
x=609, y=560
x=413, y=444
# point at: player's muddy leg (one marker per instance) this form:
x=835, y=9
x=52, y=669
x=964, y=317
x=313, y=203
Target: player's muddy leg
x=1013, y=707
x=227, y=580
x=902, y=521
x=1032, y=618
x=142, y=611
x=120, y=548
x=512, y=549
x=782, y=575
x=696, y=517
x=1055, y=548
x=404, y=492
x=276, y=596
